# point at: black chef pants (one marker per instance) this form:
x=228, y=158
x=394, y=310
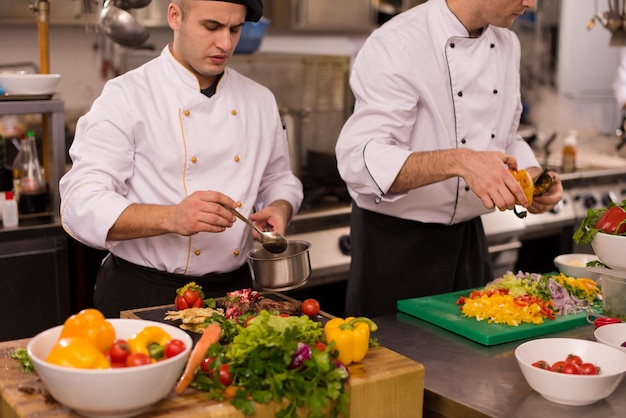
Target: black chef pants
x=395, y=259
x=121, y=285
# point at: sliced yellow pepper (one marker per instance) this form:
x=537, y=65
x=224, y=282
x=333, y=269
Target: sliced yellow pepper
x=351, y=337
x=90, y=324
x=150, y=341
x=77, y=352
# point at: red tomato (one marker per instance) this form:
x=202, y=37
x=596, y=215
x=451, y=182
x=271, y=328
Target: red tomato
x=573, y=358
x=320, y=346
x=310, y=307
x=250, y=318
x=542, y=364
x=570, y=368
x=224, y=374
x=189, y=299
x=138, y=359
x=174, y=347
x=225, y=377
x=119, y=351
x=589, y=368
x=557, y=366
x=206, y=365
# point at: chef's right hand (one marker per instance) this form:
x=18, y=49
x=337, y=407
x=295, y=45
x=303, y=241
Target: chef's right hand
x=487, y=175
x=203, y=211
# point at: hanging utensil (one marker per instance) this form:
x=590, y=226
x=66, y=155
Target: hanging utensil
x=131, y=4
x=121, y=26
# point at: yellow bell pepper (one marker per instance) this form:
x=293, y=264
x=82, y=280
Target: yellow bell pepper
x=150, y=340
x=77, y=352
x=90, y=324
x=351, y=337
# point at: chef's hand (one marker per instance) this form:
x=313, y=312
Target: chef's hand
x=203, y=211
x=273, y=217
x=487, y=174
x=549, y=199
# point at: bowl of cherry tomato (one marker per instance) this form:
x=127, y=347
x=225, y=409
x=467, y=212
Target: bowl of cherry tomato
x=571, y=371
x=121, y=380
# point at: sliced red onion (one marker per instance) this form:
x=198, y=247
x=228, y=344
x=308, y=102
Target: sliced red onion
x=300, y=354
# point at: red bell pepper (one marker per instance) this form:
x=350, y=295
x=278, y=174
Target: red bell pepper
x=613, y=221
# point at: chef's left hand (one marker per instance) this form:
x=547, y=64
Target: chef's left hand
x=273, y=217
x=549, y=199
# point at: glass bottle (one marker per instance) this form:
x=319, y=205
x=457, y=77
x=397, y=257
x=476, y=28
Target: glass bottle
x=32, y=183
x=568, y=162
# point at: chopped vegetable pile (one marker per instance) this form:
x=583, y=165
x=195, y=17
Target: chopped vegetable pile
x=519, y=298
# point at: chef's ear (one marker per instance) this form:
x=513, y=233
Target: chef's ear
x=174, y=15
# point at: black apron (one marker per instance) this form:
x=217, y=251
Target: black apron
x=121, y=285
x=395, y=259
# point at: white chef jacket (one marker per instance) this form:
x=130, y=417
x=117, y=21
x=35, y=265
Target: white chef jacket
x=152, y=137
x=619, y=83
x=422, y=84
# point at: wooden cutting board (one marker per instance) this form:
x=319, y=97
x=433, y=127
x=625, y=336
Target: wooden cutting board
x=443, y=311
x=384, y=384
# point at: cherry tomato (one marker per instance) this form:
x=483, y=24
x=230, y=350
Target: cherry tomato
x=310, y=307
x=320, y=346
x=174, y=347
x=224, y=372
x=573, y=358
x=138, y=359
x=206, y=365
x=250, y=318
x=119, y=351
x=557, y=366
x=225, y=377
x=570, y=368
x=189, y=299
x=589, y=368
x=542, y=364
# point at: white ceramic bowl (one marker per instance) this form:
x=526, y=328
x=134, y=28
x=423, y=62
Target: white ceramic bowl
x=29, y=84
x=611, y=250
x=118, y=392
x=613, y=335
x=574, y=265
x=568, y=389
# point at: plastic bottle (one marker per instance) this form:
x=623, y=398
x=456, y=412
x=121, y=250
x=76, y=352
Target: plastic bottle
x=10, y=216
x=568, y=162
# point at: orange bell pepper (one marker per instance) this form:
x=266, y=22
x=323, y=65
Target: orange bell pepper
x=90, y=324
x=77, y=352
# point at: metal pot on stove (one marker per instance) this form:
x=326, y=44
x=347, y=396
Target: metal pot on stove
x=281, y=272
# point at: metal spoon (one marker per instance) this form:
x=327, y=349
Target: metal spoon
x=272, y=241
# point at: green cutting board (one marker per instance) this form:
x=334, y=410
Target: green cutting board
x=443, y=311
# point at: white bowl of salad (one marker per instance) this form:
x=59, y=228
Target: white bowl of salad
x=610, y=249
x=605, y=229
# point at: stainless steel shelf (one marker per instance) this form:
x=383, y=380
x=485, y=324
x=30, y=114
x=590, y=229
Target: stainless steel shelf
x=56, y=110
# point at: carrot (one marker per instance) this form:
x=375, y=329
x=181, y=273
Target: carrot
x=210, y=336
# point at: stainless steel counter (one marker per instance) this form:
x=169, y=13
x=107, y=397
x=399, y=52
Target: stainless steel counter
x=466, y=379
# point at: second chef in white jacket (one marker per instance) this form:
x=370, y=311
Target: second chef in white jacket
x=159, y=153
x=428, y=148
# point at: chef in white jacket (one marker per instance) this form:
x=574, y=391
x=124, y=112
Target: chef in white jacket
x=619, y=83
x=428, y=148
x=163, y=150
